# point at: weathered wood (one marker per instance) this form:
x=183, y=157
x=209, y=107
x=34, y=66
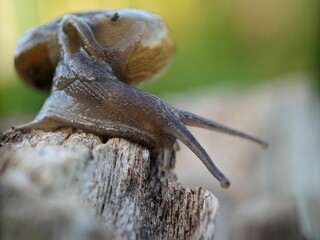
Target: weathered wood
x=71, y=185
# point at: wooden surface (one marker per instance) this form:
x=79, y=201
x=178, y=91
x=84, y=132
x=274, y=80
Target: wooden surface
x=71, y=185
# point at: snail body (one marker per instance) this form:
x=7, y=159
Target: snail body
x=93, y=84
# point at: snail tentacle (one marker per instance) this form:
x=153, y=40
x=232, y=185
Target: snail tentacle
x=192, y=119
x=72, y=24
x=179, y=130
x=117, y=54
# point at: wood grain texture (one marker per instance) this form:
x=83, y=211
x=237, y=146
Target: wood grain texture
x=70, y=185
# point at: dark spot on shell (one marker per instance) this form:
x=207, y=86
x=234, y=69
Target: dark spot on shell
x=115, y=17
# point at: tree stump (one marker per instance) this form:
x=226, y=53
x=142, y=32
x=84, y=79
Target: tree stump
x=69, y=184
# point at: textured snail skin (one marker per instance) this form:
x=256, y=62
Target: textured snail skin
x=86, y=94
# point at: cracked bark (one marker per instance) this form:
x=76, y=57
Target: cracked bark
x=70, y=185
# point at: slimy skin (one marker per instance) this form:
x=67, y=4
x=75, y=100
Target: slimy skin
x=94, y=77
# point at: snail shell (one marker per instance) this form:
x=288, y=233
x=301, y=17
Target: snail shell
x=101, y=54
x=138, y=46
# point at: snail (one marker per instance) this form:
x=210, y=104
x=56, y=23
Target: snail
x=137, y=44
x=92, y=63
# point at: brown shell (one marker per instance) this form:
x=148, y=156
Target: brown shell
x=37, y=56
x=139, y=57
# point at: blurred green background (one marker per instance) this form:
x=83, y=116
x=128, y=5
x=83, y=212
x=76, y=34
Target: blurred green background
x=235, y=43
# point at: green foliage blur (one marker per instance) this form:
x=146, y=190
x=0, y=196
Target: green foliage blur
x=234, y=43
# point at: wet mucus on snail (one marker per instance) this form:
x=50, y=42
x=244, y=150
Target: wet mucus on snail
x=91, y=62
